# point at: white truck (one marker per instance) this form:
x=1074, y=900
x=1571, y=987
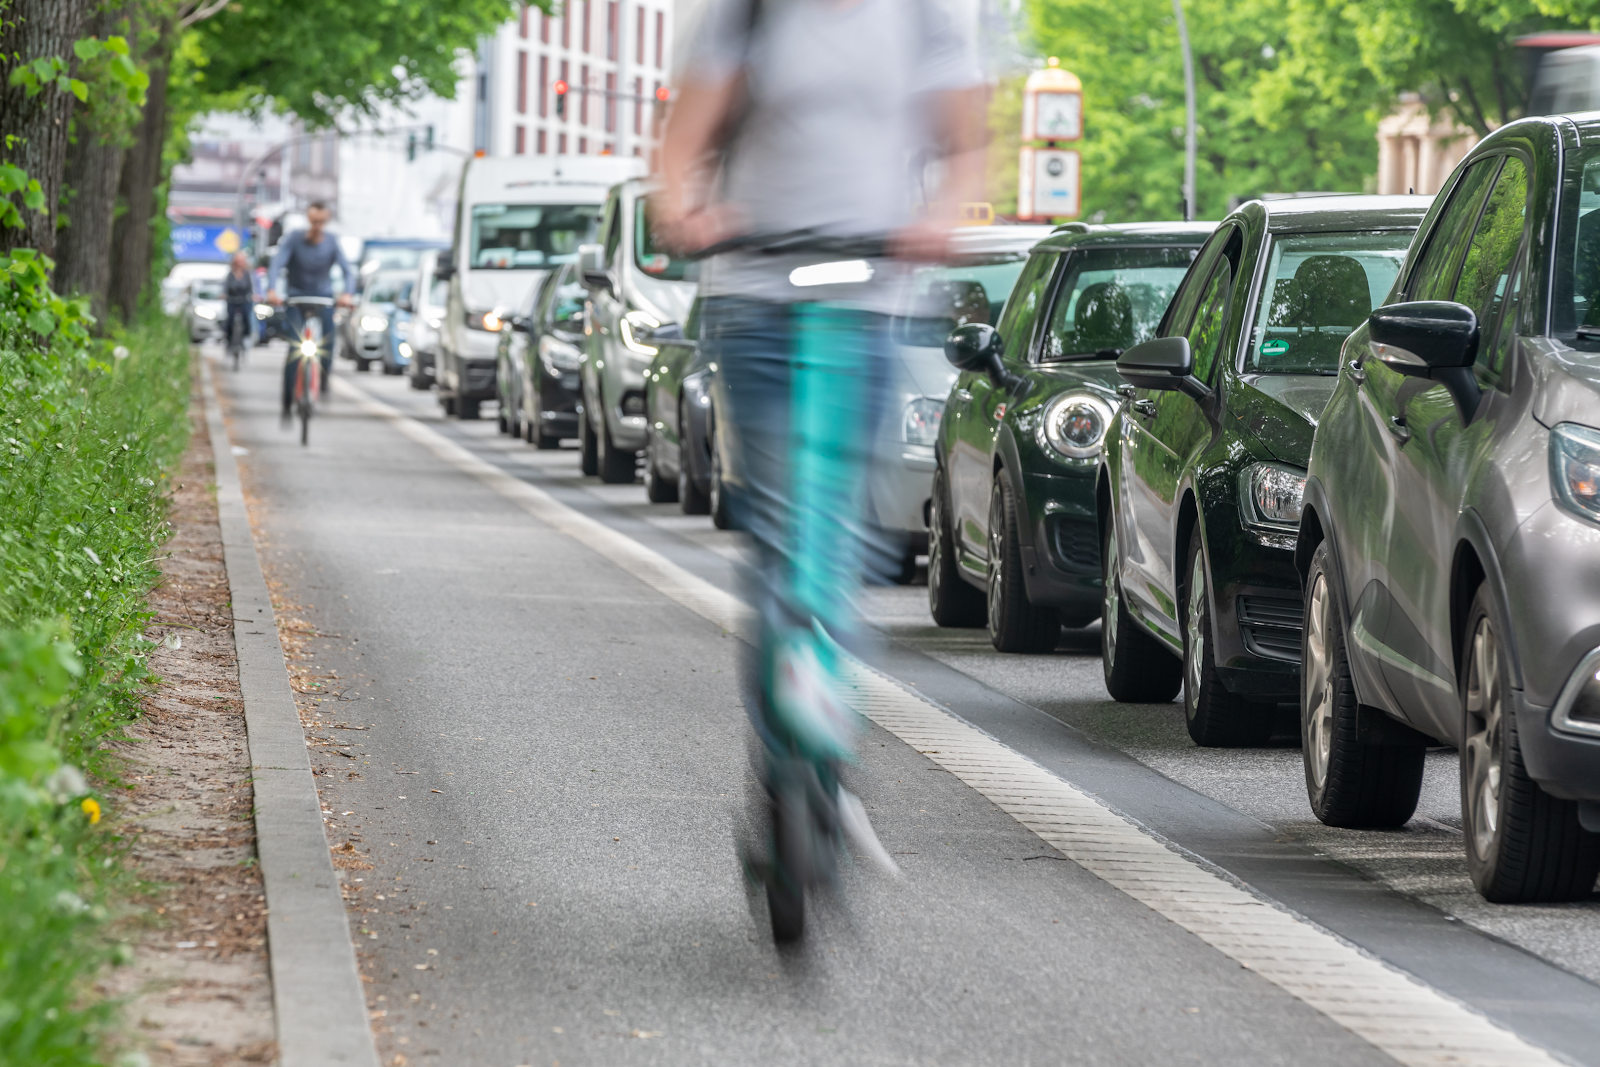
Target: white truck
x=516, y=217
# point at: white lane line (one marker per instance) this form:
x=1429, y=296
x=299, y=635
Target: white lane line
x=1407, y=1019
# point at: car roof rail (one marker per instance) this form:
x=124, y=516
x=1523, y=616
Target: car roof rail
x=1072, y=227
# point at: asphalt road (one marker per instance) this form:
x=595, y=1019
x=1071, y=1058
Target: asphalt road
x=553, y=773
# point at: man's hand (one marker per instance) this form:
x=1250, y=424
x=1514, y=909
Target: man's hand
x=924, y=241
x=344, y=300
x=683, y=232
x=274, y=299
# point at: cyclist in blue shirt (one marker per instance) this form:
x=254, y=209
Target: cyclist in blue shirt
x=304, y=261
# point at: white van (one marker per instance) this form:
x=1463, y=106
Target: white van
x=516, y=217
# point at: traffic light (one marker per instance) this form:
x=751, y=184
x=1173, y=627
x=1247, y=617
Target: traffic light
x=561, y=99
x=663, y=94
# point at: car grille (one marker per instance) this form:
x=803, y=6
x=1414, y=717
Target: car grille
x=1271, y=626
x=1077, y=545
x=479, y=375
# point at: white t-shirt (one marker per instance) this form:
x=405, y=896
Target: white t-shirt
x=837, y=130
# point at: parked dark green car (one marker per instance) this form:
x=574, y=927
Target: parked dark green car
x=1204, y=465
x=1013, y=540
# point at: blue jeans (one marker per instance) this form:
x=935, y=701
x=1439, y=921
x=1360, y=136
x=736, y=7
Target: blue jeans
x=296, y=315
x=798, y=394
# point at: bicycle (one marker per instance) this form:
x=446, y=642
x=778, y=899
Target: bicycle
x=308, y=371
x=236, y=334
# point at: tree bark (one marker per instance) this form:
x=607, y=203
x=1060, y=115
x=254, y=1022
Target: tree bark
x=132, y=238
x=36, y=129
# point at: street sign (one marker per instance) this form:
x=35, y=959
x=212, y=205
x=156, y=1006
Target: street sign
x=213, y=243
x=1049, y=183
x=1052, y=105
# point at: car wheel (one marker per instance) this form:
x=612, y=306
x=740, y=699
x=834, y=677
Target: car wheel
x=718, y=496
x=1015, y=624
x=1523, y=845
x=503, y=422
x=361, y=366
x=952, y=600
x=690, y=498
x=657, y=490
x=419, y=382
x=1349, y=783
x=616, y=466
x=449, y=404
x=1216, y=717
x=1138, y=668
x=588, y=447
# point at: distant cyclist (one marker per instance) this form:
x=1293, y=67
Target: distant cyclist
x=809, y=112
x=305, y=260
x=239, y=289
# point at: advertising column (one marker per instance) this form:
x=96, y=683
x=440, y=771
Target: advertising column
x=1049, y=177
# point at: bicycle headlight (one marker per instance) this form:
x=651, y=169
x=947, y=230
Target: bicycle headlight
x=308, y=347
x=636, y=326
x=1575, y=469
x=263, y=311
x=1074, y=425
x=1272, y=495
x=921, y=423
x=374, y=323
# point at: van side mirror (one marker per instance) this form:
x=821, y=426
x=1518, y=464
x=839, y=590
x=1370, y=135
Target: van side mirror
x=1435, y=339
x=1162, y=363
x=445, y=270
x=592, y=267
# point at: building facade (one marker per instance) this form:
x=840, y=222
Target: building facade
x=614, y=56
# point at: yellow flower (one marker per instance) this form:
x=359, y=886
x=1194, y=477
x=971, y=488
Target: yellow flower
x=91, y=808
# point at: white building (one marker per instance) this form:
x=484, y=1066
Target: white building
x=614, y=56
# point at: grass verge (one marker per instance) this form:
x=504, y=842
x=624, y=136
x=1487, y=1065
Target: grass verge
x=88, y=431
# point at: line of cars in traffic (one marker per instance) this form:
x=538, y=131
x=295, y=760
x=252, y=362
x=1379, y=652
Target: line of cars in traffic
x=1341, y=453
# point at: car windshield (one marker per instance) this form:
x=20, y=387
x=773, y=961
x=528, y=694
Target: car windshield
x=390, y=257
x=385, y=291
x=529, y=236
x=207, y=292
x=1319, y=287
x=650, y=259
x=1111, y=299
x=942, y=298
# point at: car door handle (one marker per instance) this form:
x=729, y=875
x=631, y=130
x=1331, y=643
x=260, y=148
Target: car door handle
x=1398, y=427
x=1147, y=408
x=1357, y=375
x=1125, y=391
x=962, y=394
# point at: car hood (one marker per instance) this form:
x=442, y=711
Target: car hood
x=925, y=370
x=1091, y=375
x=1281, y=411
x=1567, y=383
x=498, y=290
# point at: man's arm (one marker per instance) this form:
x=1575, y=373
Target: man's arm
x=684, y=218
x=958, y=122
x=345, y=270
x=280, y=259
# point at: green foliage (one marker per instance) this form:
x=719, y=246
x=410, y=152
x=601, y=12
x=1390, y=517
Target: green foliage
x=87, y=431
x=13, y=179
x=1267, y=121
x=321, y=60
x=41, y=73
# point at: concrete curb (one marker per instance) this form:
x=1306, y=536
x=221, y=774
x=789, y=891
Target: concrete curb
x=316, y=989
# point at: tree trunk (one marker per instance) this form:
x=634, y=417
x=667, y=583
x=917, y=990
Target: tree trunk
x=132, y=239
x=37, y=127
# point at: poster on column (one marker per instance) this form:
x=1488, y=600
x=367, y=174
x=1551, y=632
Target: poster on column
x=1050, y=184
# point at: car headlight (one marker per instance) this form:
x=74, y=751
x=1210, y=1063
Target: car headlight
x=1074, y=425
x=435, y=321
x=922, y=419
x=404, y=350
x=1272, y=495
x=374, y=323
x=635, y=327
x=557, y=356
x=1575, y=469
x=263, y=312
x=484, y=320
x=206, y=312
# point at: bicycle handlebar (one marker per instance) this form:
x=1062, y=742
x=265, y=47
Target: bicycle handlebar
x=315, y=301
x=871, y=246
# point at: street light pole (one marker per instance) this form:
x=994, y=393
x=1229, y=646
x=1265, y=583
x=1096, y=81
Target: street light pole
x=1188, y=116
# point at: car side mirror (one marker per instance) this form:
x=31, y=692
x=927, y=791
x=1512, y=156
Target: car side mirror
x=445, y=270
x=522, y=323
x=592, y=267
x=973, y=347
x=1435, y=339
x=1162, y=363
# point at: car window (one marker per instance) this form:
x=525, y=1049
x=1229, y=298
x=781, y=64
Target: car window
x=1317, y=288
x=529, y=236
x=1435, y=274
x=1486, y=271
x=938, y=299
x=566, y=303
x=651, y=259
x=613, y=231
x=1492, y=358
x=1110, y=299
x=1181, y=311
x=1016, y=321
x=1211, y=319
x=439, y=293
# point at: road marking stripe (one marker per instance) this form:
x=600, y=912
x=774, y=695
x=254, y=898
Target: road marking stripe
x=1410, y=1021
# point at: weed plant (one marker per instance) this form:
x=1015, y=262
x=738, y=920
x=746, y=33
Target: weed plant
x=89, y=429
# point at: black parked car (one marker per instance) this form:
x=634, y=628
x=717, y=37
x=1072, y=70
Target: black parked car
x=1204, y=464
x=1452, y=524
x=1012, y=536
x=536, y=373
x=678, y=460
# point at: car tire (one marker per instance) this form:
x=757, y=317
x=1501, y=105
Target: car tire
x=503, y=422
x=1138, y=668
x=588, y=447
x=449, y=405
x=657, y=490
x=1349, y=783
x=1015, y=623
x=1523, y=845
x=392, y=371
x=616, y=467
x=690, y=498
x=419, y=382
x=1216, y=717
x=721, y=518
x=952, y=600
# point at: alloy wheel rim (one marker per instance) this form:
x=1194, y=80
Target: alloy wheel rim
x=716, y=477
x=1318, y=683
x=1112, y=602
x=996, y=562
x=1195, y=628
x=935, y=540
x=1485, y=740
